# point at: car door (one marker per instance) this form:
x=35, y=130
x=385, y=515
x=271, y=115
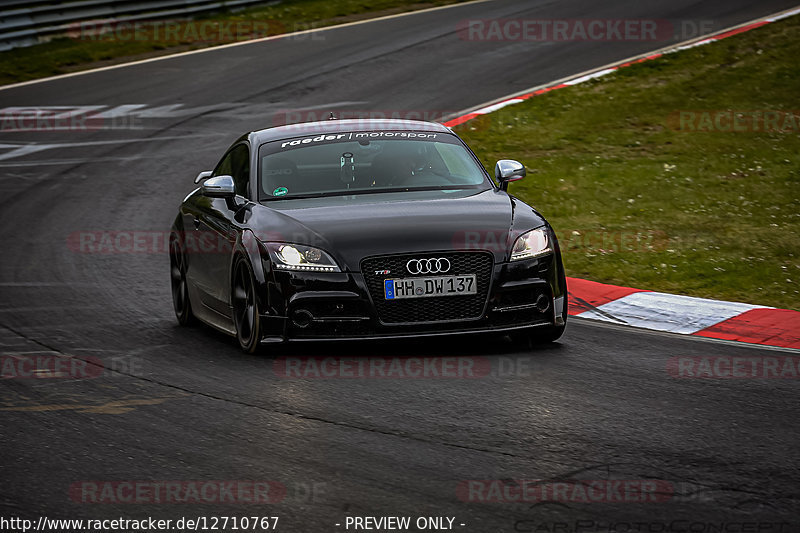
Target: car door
x=216, y=232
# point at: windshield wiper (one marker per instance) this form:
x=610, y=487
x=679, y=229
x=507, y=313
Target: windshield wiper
x=353, y=192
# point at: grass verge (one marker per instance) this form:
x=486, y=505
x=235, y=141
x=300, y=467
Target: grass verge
x=87, y=47
x=704, y=203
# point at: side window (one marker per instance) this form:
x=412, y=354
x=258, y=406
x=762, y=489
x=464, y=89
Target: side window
x=224, y=166
x=236, y=164
x=240, y=169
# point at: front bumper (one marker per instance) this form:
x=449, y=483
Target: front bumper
x=316, y=306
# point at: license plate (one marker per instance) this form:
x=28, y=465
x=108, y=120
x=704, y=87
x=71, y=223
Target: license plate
x=396, y=289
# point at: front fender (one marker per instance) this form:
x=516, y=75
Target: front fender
x=249, y=247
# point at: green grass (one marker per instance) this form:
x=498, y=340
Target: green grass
x=81, y=51
x=717, y=213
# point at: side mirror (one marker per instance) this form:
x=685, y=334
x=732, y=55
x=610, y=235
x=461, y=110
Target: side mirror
x=219, y=187
x=203, y=175
x=508, y=170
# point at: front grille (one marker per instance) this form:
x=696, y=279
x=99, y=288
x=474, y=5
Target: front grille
x=416, y=310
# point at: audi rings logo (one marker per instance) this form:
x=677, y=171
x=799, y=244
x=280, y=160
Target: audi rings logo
x=428, y=266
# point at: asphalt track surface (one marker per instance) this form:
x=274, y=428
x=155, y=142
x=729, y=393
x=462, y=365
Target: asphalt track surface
x=185, y=404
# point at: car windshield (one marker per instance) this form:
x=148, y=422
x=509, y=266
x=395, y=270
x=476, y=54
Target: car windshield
x=363, y=162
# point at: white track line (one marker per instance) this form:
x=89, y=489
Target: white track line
x=574, y=79
x=238, y=43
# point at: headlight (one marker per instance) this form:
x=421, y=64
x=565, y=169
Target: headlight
x=302, y=258
x=535, y=243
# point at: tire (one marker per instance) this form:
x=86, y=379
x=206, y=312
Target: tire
x=180, y=290
x=245, y=307
x=550, y=334
x=541, y=335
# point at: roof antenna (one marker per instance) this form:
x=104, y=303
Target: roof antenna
x=332, y=117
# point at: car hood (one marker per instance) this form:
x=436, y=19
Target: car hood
x=358, y=226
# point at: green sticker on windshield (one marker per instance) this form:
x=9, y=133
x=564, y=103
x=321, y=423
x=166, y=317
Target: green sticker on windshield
x=280, y=191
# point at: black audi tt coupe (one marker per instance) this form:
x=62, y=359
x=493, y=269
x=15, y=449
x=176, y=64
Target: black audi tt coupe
x=363, y=229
